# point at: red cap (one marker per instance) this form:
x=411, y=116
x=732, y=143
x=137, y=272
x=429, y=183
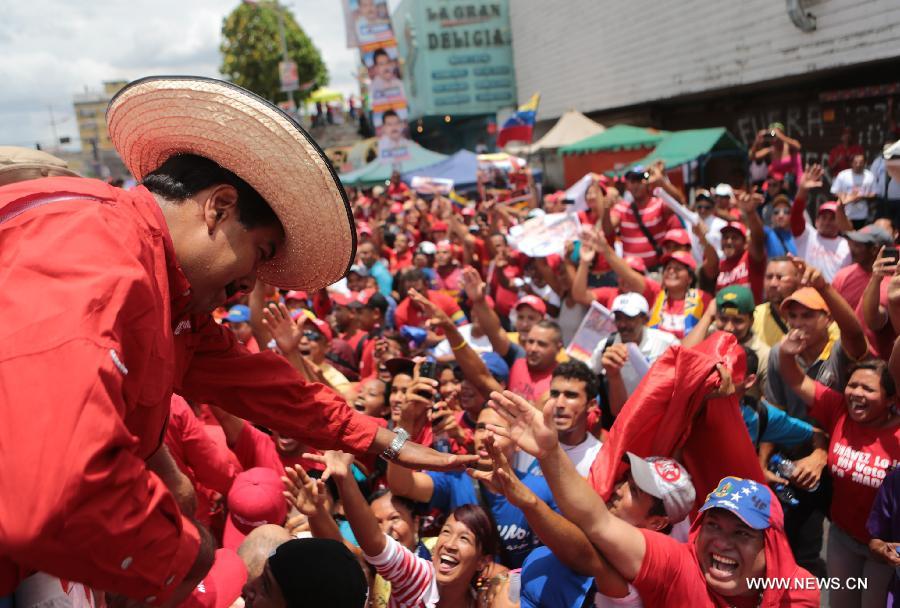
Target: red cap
x=679, y=236
x=532, y=302
x=439, y=225
x=222, y=585
x=363, y=228
x=343, y=299
x=468, y=211
x=296, y=295
x=829, y=206
x=321, y=326
x=683, y=257
x=396, y=208
x=255, y=499
x=636, y=264
x=735, y=226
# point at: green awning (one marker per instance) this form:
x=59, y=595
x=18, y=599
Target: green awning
x=379, y=171
x=684, y=146
x=618, y=137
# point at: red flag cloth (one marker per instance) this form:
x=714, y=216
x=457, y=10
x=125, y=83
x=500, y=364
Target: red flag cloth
x=666, y=413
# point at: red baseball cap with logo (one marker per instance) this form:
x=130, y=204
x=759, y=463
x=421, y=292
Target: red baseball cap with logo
x=321, y=326
x=679, y=236
x=739, y=226
x=681, y=256
x=222, y=585
x=255, y=499
x=532, y=302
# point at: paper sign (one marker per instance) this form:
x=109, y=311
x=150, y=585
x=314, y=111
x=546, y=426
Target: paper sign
x=431, y=185
x=597, y=325
x=545, y=235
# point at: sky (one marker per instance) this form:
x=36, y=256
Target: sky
x=52, y=49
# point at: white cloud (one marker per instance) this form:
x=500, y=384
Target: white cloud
x=52, y=49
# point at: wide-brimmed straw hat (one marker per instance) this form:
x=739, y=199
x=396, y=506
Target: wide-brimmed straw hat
x=155, y=118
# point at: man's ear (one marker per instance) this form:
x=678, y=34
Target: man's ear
x=657, y=523
x=219, y=203
x=749, y=381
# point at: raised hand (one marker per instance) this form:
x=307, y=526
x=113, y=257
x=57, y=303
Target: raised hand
x=503, y=478
x=588, y=246
x=303, y=492
x=614, y=358
x=437, y=316
x=748, y=202
x=884, y=267
x=812, y=177
x=337, y=463
x=287, y=334
x=472, y=284
x=532, y=430
x=794, y=342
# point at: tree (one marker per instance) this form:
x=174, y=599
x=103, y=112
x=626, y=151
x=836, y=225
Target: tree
x=251, y=50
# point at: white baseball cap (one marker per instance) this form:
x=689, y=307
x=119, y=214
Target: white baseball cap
x=631, y=304
x=723, y=190
x=667, y=480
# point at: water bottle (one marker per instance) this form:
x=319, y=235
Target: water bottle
x=784, y=467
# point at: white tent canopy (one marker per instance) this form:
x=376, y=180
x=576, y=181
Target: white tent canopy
x=571, y=127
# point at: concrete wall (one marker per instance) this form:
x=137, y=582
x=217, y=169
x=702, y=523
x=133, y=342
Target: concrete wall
x=600, y=54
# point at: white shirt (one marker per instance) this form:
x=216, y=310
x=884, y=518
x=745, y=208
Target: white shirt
x=714, y=225
x=893, y=187
x=653, y=343
x=848, y=182
x=582, y=456
x=482, y=344
x=828, y=255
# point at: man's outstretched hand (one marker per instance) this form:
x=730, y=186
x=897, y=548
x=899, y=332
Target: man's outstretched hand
x=532, y=430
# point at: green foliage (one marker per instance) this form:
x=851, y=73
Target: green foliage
x=251, y=50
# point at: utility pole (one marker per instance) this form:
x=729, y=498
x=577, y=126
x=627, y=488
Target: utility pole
x=284, y=51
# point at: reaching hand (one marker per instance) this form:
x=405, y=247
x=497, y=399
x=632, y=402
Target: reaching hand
x=812, y=277
x=503, y=478
x=808, y=470
x=337, y=463
x=284, y=330
x=748, y=202
x=588, y=247
x=532, y=430
x=472, y=284
x=437, y=316
x=794, y=342
x=657, y=173
x=304, y=492
x=726, y=383
x=812, y=177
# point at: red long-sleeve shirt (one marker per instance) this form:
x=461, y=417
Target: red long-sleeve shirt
x=91, y=348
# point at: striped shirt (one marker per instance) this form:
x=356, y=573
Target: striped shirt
x=412, y=578
x=656, y=218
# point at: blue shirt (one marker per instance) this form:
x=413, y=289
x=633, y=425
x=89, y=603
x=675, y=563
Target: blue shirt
x=454, y=489
x=776, y=246
x=780, y=428
x=383, y=277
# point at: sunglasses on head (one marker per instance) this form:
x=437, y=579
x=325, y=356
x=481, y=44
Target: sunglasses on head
x=310, y=334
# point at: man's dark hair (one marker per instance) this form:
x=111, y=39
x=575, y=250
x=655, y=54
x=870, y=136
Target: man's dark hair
x=548, y=324
x=658, y=508
x=184, y=175
x=752, y=360
x=413, y=274
x=577, y=370
x=501, y=235
x=411, y=506
x=377, y=301
x=379, y=53
x=780, y=258
x=384, y=116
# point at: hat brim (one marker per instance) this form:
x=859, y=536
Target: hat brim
x=155, y=118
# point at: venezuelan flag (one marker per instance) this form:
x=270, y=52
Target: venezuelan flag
x=519, y=126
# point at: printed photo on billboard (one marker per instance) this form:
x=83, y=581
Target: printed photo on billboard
x=367, y=21
x=391, y=129
x=386, y=88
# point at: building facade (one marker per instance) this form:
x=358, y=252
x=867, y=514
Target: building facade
x=814, y=65
x=457, y=68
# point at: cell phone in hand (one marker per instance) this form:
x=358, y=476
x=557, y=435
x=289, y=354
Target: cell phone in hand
x=891, y=253
x=428, y=369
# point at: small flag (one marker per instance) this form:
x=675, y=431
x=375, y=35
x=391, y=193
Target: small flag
x=519, y=126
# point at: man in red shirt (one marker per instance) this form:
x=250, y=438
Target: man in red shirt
x=397, y=190
x=850, y=281
x=745, y=262
x=108, y=297
x=409, y=313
